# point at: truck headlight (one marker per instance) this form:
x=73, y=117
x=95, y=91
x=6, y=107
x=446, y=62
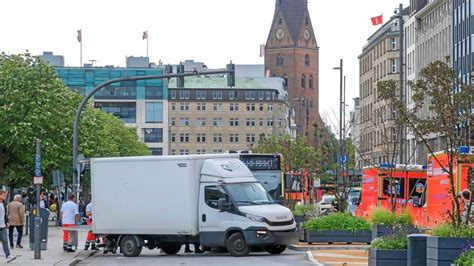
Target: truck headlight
x=255, y=218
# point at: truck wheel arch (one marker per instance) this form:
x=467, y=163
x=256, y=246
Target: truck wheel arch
x=231, y=231
x=139, y=240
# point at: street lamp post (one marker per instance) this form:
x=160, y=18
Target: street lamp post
x=341, y=103
x=75, y=136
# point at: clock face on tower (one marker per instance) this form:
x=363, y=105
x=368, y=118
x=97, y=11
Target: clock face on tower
x=280, y=33
x=306, y=34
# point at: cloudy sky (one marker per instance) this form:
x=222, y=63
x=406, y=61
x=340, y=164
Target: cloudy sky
x=209, y=31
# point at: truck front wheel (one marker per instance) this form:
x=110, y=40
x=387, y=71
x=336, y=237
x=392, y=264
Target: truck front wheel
x=275, y=249
x=129, y=246
x=171, y=249
x=237, y=246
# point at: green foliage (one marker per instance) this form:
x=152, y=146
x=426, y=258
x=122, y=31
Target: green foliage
x=466, y=258
x=34, y=103
x=384, y=216
x=337, y=221
x=448, y=230
x=397, y=242
x=308, y=211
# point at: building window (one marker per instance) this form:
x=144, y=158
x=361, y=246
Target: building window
x=217, y=151
x=393, y=65
x=184, y=106
x=250, y=95
x=154, y=92
x=218, y=122
x=183, y=152
x=200, y=122
x=200, y=151
x=173, y=94
x=184, y=94
x=250, y=107
x=154, y=113
x=260, y=122
x=184, y=121
x=173, y=106
x=200, y=138
x=250, y=122
x=156, y=151
x=310, y=103
x=233, y=95
x=217, y=95
x=184, y=137
x=250, y=138
x=270, y=122
x=260, y=107
x=173, y=152
x=303, y=81
x=201, y=95
x=279, y=61
x=280, y=20
x=127, y=112
x=268, y=95
x=234, y=122
x=154, y=135
x=270, y=107
x=234, y=107
x=217, y=138
x=310, y=81
x=173, y=121
x=261, y=95
x=218, y=107
x=393, y=43
x=173, y=137
x=306, y=21
x=234, y=138
x=306, y=60
x=201, y=106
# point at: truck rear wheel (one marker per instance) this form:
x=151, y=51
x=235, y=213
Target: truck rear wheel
x=237, y=246
x=275, y=249
x=171, y=249
x=129, y=246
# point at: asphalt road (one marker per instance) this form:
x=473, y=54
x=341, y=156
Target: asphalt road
x=152, y=257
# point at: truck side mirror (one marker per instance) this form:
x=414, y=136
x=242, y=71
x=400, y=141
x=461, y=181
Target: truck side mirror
x=223, y=205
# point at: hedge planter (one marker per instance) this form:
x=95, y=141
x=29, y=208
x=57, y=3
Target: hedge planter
x=387, y=257
x=379, y=230
x=331, y=236
x=442, y=251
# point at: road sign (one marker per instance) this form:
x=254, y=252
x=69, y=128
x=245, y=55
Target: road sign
x=37, y=165
x=58, y=178
x=343, y=158
x=80, y=163
x=37, y=180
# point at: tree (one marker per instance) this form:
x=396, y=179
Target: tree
x=441, y=106
x=34, y=103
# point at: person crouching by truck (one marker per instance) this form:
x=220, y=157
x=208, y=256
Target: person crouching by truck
x=69, y=216
x=90, y=239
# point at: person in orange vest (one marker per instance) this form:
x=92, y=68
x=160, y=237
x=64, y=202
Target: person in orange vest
x=90, y=240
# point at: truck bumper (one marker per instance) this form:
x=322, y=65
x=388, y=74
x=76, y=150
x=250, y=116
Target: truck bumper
x=263, y=237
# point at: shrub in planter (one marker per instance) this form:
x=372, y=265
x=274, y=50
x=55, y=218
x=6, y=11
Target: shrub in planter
x=447, y=243
x=389, y=250
x=337, y=227
x=466, y=258
x=386, y=222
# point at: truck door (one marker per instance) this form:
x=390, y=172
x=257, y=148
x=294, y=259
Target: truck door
x=213, y=223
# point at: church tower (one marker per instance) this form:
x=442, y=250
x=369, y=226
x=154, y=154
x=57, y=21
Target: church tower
x=292, y=53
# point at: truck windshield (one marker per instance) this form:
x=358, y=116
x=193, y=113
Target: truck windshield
x=248, y=194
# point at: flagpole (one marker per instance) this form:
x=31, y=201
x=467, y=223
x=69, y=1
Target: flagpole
x=80, y=54
x=147, y=45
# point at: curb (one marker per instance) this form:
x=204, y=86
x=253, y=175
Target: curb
x=308, y=248
x=310, y=257
x=82, y=255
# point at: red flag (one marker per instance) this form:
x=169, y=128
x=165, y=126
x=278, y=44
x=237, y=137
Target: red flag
x=377, y=20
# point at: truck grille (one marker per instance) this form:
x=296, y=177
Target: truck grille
x=289, y=222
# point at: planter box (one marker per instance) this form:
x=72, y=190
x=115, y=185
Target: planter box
x=387, y=257
x=442, y=251
x=379, y=230
x=331, y=236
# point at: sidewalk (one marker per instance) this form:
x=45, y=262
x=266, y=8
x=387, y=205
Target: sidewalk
x=54, y=255
x=340, y=257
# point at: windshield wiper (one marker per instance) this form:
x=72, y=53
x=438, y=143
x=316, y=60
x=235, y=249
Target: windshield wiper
x=262, y=202
x=246, y=201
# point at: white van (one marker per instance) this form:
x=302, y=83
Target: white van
x=167, y=201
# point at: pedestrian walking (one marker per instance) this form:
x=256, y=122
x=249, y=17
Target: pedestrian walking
x=69, y=216
x=3, y=226
x=468, y=214
x=16, y=219
x=90, y=239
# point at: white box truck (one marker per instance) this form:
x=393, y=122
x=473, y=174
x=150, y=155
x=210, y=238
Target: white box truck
x=167, y=201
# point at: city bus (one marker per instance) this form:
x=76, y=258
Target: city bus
x=268, y=169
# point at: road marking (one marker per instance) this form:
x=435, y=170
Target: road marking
x=311, y=258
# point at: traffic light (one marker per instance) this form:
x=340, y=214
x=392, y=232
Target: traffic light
x=231, y=75
x=180, y=80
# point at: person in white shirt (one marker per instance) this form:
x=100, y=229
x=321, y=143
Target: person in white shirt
x=90, y=240
x=69, y=216
x=4, y=226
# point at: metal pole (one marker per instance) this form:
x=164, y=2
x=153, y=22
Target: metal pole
x=346, y=149
x=37, y=235
x=341, y=87
x=402, y=128
x=75, y=135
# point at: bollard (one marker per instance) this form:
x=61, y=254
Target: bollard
x=416, y=253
